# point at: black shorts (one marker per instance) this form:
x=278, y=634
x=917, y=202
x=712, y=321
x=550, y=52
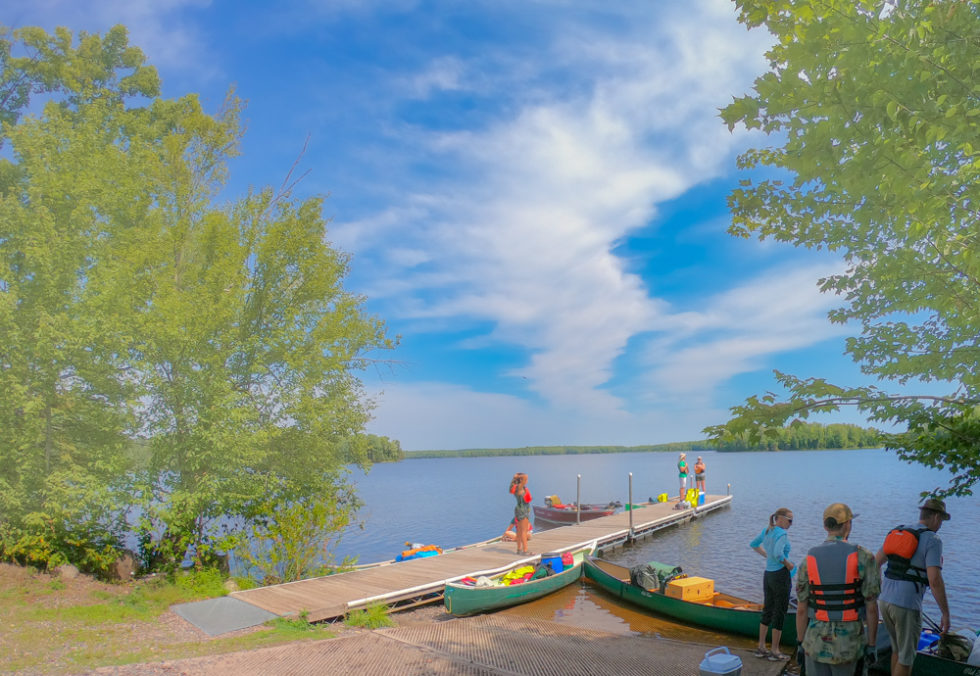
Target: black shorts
x=775, y=586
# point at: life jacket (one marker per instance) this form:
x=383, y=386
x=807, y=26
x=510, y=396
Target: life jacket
x=900, y=546
x=835, y=584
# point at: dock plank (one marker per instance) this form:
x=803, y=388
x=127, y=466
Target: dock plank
x=334, y=595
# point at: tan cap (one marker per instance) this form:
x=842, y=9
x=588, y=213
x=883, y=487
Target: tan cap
x=839, y=512
x=936, y=505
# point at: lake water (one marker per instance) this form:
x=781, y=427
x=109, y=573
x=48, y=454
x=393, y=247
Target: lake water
x=456, y=501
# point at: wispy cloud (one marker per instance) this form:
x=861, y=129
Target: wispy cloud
x=522, y=232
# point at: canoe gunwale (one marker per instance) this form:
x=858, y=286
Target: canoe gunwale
x=743, y=621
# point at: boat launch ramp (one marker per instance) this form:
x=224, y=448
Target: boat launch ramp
x=409, y=583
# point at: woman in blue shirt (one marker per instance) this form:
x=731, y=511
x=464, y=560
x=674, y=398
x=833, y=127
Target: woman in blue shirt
x=773, y=544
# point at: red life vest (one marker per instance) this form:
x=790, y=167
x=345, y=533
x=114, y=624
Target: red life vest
x=835, y=584
x=900, y=546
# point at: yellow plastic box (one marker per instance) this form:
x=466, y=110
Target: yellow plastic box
x=696, y=589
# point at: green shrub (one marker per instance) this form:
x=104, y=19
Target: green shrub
x=294, y=536
x=204, y=583
x=372, y=617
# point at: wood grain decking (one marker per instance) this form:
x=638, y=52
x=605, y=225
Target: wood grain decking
x=334, y=595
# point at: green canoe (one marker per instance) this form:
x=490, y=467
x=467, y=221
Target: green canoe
x=925, y=664
x=724, y=612
x=931, y=665
x=463, y=599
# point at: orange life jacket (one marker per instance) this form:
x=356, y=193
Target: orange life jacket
x=835, y=584
x=900, y=546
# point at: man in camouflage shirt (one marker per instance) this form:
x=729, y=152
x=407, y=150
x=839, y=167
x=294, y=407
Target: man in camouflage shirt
x=837, y=587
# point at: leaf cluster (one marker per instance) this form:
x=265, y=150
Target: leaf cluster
x=877, y=109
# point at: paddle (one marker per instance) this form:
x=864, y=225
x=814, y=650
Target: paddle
x=932, y=624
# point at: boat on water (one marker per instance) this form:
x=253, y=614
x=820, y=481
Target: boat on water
x=554, y=511
x=715, y=610
x=468, y=599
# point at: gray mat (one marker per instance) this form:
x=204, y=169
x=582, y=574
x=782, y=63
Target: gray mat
x=221, y=615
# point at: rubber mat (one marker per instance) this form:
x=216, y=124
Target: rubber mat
x=220, y=615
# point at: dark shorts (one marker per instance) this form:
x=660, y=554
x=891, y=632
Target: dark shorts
x=699, y=477
x=775, y=586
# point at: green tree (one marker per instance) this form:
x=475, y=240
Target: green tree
x=134, y=305
x=875, y=106
x=66, y=396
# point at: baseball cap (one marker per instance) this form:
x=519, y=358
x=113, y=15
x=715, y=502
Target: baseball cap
x=839, y=513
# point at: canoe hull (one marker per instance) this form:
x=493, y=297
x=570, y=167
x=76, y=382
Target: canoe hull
x=930, y=665
x=565, y=516
x=464, y=600
x=615, y=580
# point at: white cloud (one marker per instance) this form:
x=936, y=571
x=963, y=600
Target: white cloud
x=525, y=231
x=739, y=329
x=435, y=416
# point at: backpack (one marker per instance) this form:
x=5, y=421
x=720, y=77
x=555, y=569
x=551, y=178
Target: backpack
x=900, y=546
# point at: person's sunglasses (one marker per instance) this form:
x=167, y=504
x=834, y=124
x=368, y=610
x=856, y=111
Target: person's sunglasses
x=789, y=519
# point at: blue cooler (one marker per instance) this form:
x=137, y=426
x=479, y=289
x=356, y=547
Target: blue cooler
x=927, y=639
x=553, y=561
x=720, y=662
x=700, y=498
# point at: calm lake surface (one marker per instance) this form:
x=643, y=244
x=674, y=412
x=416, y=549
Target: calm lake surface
x=456, y=501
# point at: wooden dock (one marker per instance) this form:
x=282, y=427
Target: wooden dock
x=424, y=579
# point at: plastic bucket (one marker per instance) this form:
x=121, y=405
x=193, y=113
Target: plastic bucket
x=553, y=561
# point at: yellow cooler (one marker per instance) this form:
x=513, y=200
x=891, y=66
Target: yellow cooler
x=695, y=589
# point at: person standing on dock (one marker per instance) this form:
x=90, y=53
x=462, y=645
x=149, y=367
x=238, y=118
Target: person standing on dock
x=682, y=474
x=907, y=575
x=773, y=544
x=522, y=512
x=837, y=587
x=699, y=474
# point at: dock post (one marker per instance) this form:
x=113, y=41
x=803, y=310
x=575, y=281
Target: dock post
x=729, y=489
x=578, y=500
x=631, y=505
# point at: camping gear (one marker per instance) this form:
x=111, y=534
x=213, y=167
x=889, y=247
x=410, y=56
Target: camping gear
x=419, y=553
x=696, y=589
x=927, y=639
x=461, y=599
x=553, y=561
x=723, y=612
x=654, y=575
x=720, y=662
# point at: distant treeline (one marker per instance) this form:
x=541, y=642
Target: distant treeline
x=806, y=436
x=798, y=437
x=678, y=447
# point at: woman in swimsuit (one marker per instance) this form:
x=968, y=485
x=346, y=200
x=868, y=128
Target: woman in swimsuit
x=699, y=474
x=522, y=511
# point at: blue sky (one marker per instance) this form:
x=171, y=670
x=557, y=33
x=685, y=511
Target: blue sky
x=533, y=195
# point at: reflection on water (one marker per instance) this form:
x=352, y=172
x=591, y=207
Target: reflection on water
x=587, y=606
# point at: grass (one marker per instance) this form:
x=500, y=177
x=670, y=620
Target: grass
x=372, y=617
x=50, y=626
